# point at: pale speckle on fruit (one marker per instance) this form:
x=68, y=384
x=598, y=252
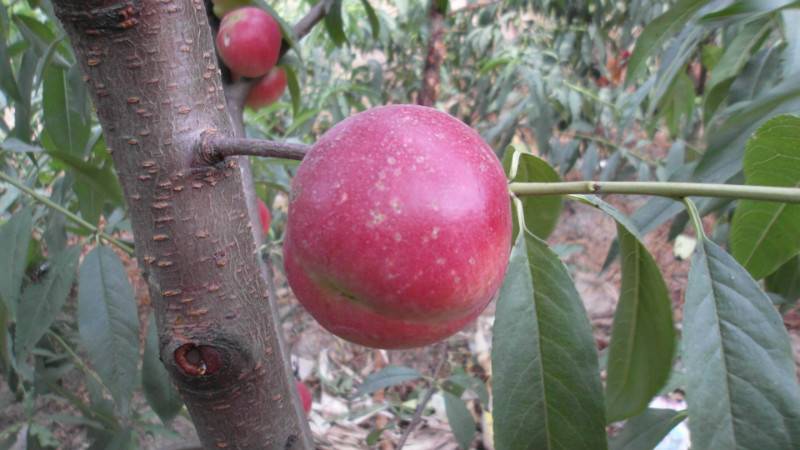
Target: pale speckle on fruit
x=226, y=40
x=343, y=198
x=391, y=160
x=377, y=218
x=435, y=233
x=440, y=261
x=395, y=204
x=398, y=237
x=472, y=261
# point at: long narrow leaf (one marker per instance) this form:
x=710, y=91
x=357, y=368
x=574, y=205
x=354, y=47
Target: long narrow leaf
x=643, y=336
x=41, y=302
x=15, y=237
x=647, y=429
x=657, y=32
x=108, y=322
x=547, y=391
x=158, y=389
x=741, y=385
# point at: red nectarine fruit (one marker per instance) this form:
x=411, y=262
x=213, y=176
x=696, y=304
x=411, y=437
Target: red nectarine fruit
x=268, y=89
x=249, y=41
x=399, y=227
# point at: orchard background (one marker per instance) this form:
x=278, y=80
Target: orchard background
x=690, y=91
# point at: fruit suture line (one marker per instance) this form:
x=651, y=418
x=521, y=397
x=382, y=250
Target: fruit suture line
x=217, y=148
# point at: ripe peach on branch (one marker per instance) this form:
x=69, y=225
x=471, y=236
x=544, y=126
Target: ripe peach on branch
x=399, y=227
x=249, y=41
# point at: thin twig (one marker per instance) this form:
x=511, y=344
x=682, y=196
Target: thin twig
x=312, y=17
x=660, y=189
x=417, y=418
x=72, y=217
x=214, y=149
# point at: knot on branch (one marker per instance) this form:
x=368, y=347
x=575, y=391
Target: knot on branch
x=209, y=364
x=207, y=151
x=109, y=19
x=198, y=360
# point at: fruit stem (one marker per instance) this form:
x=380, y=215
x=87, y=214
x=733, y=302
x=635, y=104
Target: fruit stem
x=661, y=189
x=74, y=218
x=697, y=219
x=215, y=148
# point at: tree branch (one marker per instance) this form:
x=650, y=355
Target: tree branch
x=660, y=189
x=312, y=17
x=433, y=61
x=215, y=148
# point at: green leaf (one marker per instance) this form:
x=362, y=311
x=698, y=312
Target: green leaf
x=12, y=144
x=41, y=302
x=334, y=23
x=647, y=429
x=466, y=382
x=643, y=337
x=786, y=280
x=22, y=109
x=15, y=237
x=374, y=23
x=765, y=235
x=5, y=321
x=39, y=36
x=108, y=322
x=158, y=389
x=741, y=388
x=294, y=88
x=747, y=9
x=100, y=179
x=546, y=380
x=541, y=212
x=657, y=32
x=62, y=105
x=737, y=54
x=387, y=377
x=7, y=79
x=460, y=420
x=677, y=104
x=733, y=126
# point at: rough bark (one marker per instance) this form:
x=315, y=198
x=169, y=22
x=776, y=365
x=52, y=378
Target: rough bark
x=152, y=72
x=437, y=51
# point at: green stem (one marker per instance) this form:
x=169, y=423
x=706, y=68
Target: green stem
x=697, y=219
x=50, y=204
x=587, y=93
x=660, y=189
x=85, y=368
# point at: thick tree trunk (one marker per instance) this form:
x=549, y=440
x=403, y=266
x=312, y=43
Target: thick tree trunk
x=152, y=71
x=437, y=51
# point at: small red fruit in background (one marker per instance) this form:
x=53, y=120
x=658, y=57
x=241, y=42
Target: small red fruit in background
x=305, y=395
x=268, y=89
x=399, y=227
x=264, y=215
x=249, y=41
